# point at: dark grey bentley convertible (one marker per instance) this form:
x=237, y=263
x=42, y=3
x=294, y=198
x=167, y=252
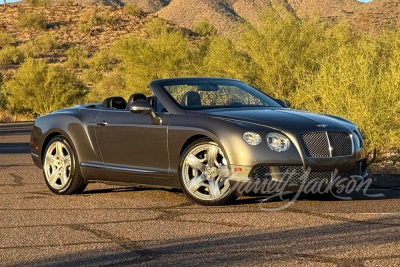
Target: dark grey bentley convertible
x=204, y=135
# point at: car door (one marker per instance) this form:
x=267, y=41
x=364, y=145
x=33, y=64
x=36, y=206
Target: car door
x=133, y=150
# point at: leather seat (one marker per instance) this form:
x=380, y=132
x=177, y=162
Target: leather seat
x=136, y=97
x=191, y=98
x=116, y=102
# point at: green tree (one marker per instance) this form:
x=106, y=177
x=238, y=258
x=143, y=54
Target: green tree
x=166, y=55
x=38, y=88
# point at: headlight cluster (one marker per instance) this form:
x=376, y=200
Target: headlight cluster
x=253, y=139
x=278, y=142
x=275, y=141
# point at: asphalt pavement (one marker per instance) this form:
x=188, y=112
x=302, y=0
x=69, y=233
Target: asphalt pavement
x=126, y=226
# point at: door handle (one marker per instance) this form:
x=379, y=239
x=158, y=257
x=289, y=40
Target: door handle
x=102, y=123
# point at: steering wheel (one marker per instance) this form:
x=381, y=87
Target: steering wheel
x=235, y=104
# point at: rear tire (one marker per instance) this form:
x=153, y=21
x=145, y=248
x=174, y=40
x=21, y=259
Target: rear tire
x=204, y=173
x=61, y=168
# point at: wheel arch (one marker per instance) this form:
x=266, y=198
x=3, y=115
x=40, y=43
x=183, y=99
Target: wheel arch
x=198, y=136
x=78, y=131
x=191, y=140
x=46, y=141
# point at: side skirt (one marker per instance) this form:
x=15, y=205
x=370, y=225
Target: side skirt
x=133, y=184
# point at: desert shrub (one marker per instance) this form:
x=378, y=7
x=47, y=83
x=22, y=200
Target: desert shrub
x=88, y=18
x=322, y=68
x=76, y=57
x=6, y=39
x=32, y=20
x=2, y=94
x=94, y=18
x=83, y=28
x=283, y=50
x=156, y=27
x=101, y=62
x=167, y=55
x=134, y=10
x=46, y=42
x=37, y=3
x=7, y=117
x=42, y=44
x=38, y=88
x=365, y=89
x=29, y=49
x=90, y=76
x=104, y=18
x=11, y=55
x=112, y=83
x=204, y=28
x=223, y=59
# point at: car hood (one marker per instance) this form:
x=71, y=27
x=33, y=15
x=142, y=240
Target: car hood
x=283, y=119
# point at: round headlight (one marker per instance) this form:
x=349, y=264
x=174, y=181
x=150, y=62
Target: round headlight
x=252, y=139
x=278, y=142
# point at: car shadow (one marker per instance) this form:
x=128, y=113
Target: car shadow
x=126, y=189
x=382, y=188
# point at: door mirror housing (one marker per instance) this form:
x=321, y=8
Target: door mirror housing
x=144, y=107
x=281, y=102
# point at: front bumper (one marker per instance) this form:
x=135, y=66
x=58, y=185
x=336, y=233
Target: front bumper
x=272, y=179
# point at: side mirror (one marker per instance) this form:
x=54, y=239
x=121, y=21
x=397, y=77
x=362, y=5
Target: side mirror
x=144, y=107
x=281, y=102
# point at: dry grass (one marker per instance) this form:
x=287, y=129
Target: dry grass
x=7, y=117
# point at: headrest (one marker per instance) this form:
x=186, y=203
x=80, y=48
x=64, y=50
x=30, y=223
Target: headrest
x=114, y=102
x=136, y=97
x=191, y=98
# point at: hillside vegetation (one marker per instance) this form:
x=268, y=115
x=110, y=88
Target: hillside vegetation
x=373, y=16
x=96, y=52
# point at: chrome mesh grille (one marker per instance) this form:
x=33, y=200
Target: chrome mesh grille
x=262, y=173
x=316, y=144
x=297, y=174
x=341, y=143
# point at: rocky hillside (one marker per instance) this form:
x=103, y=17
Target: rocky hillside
x=150, y=6
x=65, y=22
x=225, y=14
x=373, y=16
x=91, y=28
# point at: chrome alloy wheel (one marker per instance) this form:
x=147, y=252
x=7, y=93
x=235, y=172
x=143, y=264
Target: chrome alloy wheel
x=205, y=172
x=57, y=165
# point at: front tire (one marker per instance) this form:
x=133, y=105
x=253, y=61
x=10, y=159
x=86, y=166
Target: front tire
x=204, y=173
x=61, y=168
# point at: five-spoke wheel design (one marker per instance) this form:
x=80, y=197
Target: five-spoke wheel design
x=205, y=173
x=61, y=168
x=58, y=165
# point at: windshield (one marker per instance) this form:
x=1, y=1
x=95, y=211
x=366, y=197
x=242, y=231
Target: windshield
x=216, y=93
